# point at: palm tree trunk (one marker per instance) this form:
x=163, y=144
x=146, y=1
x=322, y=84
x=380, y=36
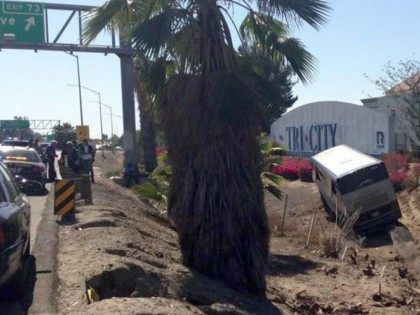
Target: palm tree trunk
x=216, y=196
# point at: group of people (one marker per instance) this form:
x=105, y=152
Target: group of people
x=79, y=157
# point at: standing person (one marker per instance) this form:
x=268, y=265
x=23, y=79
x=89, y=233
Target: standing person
x=39, y=149
x=72, y=154
x=87, y=154
x=51, y=156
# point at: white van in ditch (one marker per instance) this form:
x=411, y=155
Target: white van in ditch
x=350, y=181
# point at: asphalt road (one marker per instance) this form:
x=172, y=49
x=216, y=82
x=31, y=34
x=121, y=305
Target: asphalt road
x=36, y=271
x=37, y=210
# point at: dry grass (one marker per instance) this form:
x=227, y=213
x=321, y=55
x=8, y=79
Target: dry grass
x=332, y=241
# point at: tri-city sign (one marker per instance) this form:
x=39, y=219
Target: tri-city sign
x=22, y=22
x=317, y=138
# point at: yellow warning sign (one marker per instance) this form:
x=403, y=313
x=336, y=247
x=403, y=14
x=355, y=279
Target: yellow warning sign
x=64, y=197
x=82, y=132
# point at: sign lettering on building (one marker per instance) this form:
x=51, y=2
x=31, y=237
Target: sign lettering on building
x=316, y=138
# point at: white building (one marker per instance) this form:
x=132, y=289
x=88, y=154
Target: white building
x=394, y=103
x=314, y=127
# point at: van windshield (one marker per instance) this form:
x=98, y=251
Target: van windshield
x=362, y=178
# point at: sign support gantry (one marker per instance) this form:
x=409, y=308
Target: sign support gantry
x=14, y=37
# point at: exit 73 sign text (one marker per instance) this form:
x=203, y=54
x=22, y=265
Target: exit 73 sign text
x=22, y=22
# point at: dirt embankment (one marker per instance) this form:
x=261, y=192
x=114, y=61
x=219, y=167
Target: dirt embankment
x=111, y=163
x=131, y=259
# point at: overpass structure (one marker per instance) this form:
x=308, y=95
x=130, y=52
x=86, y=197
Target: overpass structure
x=43, y=124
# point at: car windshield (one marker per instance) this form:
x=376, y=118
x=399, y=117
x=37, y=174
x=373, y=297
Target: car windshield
x=362, y=178
x=15, y=143
x=20, y=155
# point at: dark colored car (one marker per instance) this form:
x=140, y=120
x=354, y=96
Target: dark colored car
x=14, y=235
x=26, y=163
x=15, y=143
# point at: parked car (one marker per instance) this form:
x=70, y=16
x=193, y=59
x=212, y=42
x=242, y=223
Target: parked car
x=14, y=234
x=26, y=163
x=15, y=143
x=349, y=181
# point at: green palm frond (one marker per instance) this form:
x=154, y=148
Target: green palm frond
x=270, y=37
x=273, y=160
x=273, y=178
x=313, y=12
x=272, y=154
x=272, y=184
x=294, y=54
x=157, y=187
x=152, y=35
x=114, y=14
x=256, y=26
x=148, y=190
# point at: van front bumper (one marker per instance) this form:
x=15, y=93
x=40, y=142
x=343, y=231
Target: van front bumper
x=379, y=218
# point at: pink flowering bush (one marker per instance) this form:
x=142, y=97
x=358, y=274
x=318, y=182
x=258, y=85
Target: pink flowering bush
x=305, y=170
x=398, y=179
x=396, y=162
x=293, y=168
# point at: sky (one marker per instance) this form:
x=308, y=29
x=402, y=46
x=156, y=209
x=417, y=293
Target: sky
x=359, y=38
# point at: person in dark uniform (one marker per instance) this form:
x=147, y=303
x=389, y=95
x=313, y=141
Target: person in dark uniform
x=87, y=155
x=51, y=156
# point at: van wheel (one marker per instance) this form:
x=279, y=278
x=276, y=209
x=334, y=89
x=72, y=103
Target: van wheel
x=327, y=208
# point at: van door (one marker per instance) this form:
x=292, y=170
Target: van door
x=334, y=197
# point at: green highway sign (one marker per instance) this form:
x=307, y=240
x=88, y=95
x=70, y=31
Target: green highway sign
x=14, y=124
x=22, y=22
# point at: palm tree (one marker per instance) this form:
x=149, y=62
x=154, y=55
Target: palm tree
x=210, y=108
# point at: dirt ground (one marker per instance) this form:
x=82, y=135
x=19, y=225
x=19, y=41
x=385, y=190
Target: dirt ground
x=306, y=277
x=110, y=162
x=130, y=257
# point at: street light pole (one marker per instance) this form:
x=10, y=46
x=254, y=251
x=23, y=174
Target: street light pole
x=79, y=85
x=112, y=123
x=102, y=130
x=80, y=90
x=100, y=111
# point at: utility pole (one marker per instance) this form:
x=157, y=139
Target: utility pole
x=112, y=123
x=100, y=112
x=79, y=85
x=129, y=113
x=102, y=129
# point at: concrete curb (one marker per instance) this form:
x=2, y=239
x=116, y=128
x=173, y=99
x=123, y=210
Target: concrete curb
x=45, y=252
